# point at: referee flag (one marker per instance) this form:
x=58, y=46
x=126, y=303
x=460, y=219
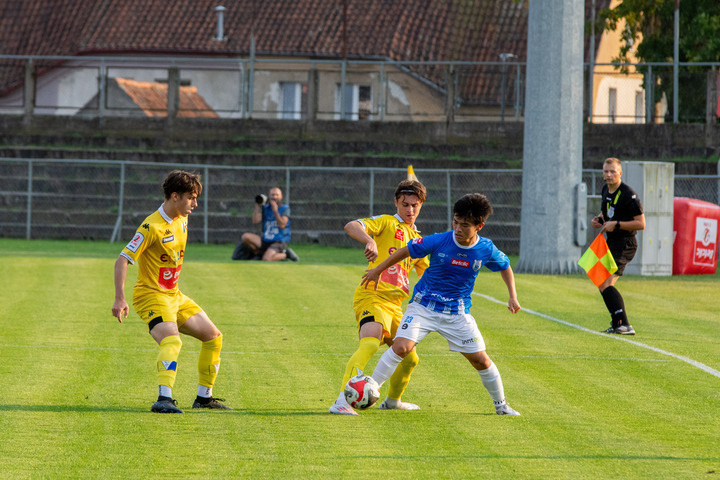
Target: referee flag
x=597, y=261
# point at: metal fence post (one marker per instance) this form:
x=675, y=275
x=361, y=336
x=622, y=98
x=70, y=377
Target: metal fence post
x=117, y=230
x=449, y=199
x=102, y=90
x=372, y=191
x=206, y=197
x=28, y=220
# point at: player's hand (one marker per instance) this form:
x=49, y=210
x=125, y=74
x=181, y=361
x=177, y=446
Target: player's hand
x=513, y=305
x=371, y=275
x=119, y=308
x=371, y=252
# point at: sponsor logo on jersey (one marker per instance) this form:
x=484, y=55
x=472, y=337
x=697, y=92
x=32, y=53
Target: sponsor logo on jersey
x=146, y=226
x=168, y=277
x=391, y=250
x=136, y=241
x=477, y=264
x=417, y=240
x=396, y=275
x=168, y=232
x=470, y=340
x=460, y=263
x=399, y=234
x=168, y=239
x=461, y=255
x=175, y=258
x=366, y=312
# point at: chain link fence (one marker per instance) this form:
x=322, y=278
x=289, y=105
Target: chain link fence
x=107, y=200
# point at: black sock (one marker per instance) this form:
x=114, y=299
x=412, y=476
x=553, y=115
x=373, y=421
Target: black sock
x=615, y=305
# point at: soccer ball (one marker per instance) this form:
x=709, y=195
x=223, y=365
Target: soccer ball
x=361, y=391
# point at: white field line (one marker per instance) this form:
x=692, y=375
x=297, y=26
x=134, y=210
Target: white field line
x=621, y=338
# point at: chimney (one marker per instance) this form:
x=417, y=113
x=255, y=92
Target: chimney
x=220, y=14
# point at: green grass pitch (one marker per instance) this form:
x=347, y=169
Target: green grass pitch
x=77, y=386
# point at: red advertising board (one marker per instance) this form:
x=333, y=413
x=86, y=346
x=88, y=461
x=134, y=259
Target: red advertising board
x=695, y=225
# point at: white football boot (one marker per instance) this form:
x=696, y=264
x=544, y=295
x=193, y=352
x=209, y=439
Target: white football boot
x=505, y=409
x=341, y=406
x=392, y=404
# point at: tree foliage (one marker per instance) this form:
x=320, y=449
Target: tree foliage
x=649, y=36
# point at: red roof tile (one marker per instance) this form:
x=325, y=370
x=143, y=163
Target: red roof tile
x=401, y=30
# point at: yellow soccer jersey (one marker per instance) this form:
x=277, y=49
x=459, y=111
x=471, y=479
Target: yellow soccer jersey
x=392, y=233
x=158, y=247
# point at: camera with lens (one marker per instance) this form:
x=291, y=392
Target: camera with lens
x=261, y=199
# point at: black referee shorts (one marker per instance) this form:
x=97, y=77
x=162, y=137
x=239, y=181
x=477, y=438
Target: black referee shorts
x=623, y=250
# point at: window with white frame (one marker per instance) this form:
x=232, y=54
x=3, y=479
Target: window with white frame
x=357, y=101
x=291, y=101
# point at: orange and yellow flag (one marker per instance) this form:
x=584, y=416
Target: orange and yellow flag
x=597, y=261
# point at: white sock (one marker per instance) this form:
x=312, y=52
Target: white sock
x=164, y=391
x=386, y=366
x=204, y=392
x=493, y=384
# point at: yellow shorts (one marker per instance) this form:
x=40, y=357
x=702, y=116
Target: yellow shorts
x=172, y=308
x=385, y=312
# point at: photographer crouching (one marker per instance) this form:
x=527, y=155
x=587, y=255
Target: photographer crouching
x=275, y=218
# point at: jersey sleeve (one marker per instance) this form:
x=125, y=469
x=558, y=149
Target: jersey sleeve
x=374, y=225
x=137, y=245
x=422, y=247
x=498, y=261
x=284, y=211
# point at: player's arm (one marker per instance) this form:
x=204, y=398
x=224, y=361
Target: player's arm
x=120, y=306
x=373, y=275
x=509, y=279
x=281, y=220
x=356, y=231
x=637, y=223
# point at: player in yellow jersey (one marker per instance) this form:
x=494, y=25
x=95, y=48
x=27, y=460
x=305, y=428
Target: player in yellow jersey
x=158, y=248
x=378, y=312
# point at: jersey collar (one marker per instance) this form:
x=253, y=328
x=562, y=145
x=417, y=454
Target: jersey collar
x=164, y=215
x=477, y=239
x=403, y=221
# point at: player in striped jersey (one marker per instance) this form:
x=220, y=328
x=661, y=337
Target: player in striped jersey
x=442, y=298
x=378, y=311
x=158, y=248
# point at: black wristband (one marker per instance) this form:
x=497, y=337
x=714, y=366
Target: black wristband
x=617, y=224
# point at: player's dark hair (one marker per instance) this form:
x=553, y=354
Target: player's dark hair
x=473, y=207
x=182, y=182
x=411, y=187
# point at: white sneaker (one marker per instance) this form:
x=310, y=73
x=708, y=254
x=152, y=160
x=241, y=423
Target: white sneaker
x=341, y=407
x=386, y=405
x=505, y=409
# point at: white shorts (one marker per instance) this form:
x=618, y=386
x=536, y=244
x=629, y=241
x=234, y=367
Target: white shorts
x=460, y=330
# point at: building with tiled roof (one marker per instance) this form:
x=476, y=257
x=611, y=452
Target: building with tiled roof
x=293, y=30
